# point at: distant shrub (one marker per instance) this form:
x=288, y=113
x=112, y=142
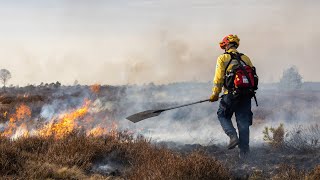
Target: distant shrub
x=57, y=84
x=274, y=136
x=291, y=79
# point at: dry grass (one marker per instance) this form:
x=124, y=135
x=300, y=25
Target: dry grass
x=11, y=161
x=73, y=156
x=315, y=173
x=287, y=172
x=166, y=164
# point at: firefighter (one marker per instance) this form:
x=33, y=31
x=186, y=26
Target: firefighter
x=232, y=100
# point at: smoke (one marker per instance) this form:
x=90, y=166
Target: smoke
x=148, y=41
x=199, y=123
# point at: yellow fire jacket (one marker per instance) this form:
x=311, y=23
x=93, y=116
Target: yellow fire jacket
x=222, y=62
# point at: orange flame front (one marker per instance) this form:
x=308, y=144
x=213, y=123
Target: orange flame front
x=97, y=131
x=79, y=119
x=18, y=120
x=66, y=124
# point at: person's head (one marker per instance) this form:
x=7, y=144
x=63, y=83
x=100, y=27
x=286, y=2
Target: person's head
x=230, y=41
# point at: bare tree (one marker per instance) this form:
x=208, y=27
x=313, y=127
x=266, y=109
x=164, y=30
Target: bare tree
x=5, y=75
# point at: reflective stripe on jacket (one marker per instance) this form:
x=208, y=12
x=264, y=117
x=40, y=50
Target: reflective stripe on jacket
x=222, y=62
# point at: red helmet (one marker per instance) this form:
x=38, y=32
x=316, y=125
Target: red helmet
x=228, y=39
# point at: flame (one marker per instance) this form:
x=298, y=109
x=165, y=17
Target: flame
x=81, y=119
x=21, y=131
x=66, y=123
x=113, y=129
x=23, y=112
x=17, y=120
x=95, y=88
x=97, y=131
x=100, y=131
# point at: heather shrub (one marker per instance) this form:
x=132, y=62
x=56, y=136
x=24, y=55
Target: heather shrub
x=314, y=174
x=11, y=161
x=287, y=172
x=274, y=136
x=73, y=157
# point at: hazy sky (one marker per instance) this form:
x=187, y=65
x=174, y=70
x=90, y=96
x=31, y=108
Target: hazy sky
x=126, y=41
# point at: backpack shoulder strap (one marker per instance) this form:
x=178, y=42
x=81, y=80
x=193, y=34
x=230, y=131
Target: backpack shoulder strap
x=233, y=56
x=238, y=55
x=225, y=71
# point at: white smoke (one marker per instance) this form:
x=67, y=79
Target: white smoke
x=148, y=41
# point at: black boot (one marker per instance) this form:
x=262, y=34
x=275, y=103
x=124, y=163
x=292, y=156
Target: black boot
x=234, y=141
x=244, y=154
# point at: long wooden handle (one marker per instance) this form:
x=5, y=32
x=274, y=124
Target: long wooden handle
x=184, y=105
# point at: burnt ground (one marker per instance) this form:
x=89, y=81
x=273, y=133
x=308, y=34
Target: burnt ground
x=263, y=160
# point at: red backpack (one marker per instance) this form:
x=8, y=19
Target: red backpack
x=241, y=78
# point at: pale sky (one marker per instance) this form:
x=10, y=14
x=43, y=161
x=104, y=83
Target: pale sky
x=141, y=41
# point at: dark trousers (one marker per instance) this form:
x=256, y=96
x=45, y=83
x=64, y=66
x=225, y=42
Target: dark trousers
x=241, y=106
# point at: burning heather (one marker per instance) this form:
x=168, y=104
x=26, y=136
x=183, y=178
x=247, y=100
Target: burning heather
x=65, y=123
x=17, y=124
x=82, y=118
x=81, y=132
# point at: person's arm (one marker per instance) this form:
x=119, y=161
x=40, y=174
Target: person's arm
x=218, y=77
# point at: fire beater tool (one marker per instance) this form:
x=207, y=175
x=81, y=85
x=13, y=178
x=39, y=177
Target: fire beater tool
x=152, y=113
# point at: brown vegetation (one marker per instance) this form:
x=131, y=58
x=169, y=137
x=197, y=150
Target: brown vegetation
x=74, y=156
x=287, y=172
